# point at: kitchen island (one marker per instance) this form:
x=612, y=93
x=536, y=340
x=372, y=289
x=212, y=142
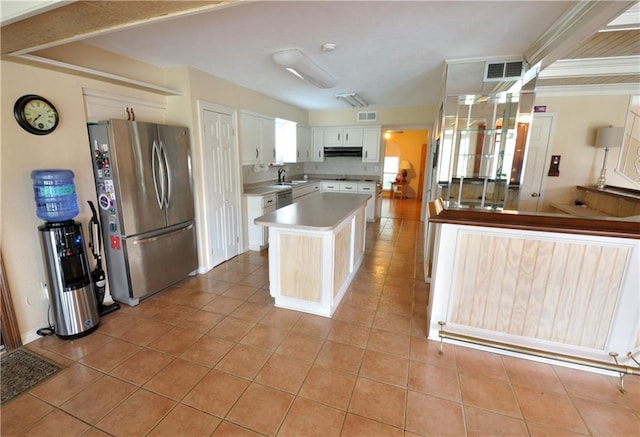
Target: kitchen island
x=315, y=249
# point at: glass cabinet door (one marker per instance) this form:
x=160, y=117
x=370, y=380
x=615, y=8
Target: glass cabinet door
x=478, y=144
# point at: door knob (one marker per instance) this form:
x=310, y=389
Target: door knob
x=534, y=194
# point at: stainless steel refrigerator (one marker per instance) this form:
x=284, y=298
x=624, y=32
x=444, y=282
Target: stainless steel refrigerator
x=143, y=183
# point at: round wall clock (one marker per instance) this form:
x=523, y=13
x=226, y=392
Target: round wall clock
x=35, y=114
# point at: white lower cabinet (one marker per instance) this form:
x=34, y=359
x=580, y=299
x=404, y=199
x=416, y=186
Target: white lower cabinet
x=355, y=188
x=257, y=206
x=369, y=188
x=305, y=191
x=330, y=186
x=348, y=187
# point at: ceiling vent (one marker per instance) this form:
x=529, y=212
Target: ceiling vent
x=504, y=70
x=367, y=115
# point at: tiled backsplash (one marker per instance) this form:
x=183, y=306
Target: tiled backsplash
x=344, y=166
x=349, y=167
x=250, y=176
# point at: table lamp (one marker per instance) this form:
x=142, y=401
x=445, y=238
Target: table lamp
x=606, y=138
x=404, y=166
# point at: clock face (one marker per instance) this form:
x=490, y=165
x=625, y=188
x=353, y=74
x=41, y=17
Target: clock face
x=36, y=114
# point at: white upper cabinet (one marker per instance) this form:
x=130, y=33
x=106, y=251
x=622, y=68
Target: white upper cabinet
x=303, y=153
x=104, y=106
x=257, y=139
x=371, y=144
x=339, y=136
x=350, y=136
x=268, y=136
x=317, y=144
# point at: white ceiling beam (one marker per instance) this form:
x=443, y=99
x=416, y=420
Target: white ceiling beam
x=614, y=66
x=574, y=26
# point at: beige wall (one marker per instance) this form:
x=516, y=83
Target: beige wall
x=203, y=86
x=577, y=119
x=408, y=145
x=200, y=86
x=94, y=58
x=417, y=117
x=21, y=152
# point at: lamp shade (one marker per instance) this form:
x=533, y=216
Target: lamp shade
x=404, y=165
x=609, y=137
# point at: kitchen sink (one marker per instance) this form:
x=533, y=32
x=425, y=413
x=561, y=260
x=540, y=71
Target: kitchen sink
x=291, y=182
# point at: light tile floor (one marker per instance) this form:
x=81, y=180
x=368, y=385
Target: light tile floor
x=213, y=356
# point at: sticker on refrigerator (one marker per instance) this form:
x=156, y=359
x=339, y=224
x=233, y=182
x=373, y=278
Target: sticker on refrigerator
x=104, y=201
x=109, y=188
x=115, y=242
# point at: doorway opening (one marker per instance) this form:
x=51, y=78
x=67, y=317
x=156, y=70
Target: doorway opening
x=405, y=148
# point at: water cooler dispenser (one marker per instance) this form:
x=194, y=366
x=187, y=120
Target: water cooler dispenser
x=71, y=293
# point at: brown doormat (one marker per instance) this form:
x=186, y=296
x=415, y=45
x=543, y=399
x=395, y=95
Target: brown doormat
x=21, y=370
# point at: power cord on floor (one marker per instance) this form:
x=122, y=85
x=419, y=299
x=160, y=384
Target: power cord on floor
x=43, y=332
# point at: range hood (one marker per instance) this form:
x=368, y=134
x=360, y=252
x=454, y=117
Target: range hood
x=342, y=151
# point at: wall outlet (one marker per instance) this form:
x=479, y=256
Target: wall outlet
x=45, y=290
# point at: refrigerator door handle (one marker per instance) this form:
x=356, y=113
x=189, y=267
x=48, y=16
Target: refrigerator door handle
x=155, y=162
x=167, y=197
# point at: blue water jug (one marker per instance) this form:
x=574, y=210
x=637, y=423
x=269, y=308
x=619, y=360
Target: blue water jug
x=55, y=195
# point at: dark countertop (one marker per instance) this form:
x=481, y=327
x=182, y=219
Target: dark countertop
x=621, y=227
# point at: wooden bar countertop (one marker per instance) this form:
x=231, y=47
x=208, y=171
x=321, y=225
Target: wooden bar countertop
x=620, y=227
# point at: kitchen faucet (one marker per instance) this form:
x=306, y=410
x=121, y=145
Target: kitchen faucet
x=281, y=171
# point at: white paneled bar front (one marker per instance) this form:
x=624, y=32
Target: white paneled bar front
x=562, y=292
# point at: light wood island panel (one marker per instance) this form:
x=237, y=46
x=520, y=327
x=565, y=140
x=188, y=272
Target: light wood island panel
x=315, y=249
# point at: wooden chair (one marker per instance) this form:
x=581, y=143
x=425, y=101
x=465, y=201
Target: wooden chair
x=398, y=189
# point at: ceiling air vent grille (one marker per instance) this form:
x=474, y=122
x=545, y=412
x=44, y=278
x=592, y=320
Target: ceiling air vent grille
x=367, y=115
x=496, y=71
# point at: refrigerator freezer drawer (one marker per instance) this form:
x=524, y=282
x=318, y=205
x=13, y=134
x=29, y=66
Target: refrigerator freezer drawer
x=162, y=260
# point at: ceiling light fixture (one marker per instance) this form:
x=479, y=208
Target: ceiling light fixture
x=353, y=99
x=328, y=47
x=297, y=63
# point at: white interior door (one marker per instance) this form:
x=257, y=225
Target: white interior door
x=231, y=191
x=538, y=151
x=222, y=186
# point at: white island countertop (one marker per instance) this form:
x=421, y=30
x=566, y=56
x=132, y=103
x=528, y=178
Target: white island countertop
x=319, y=213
